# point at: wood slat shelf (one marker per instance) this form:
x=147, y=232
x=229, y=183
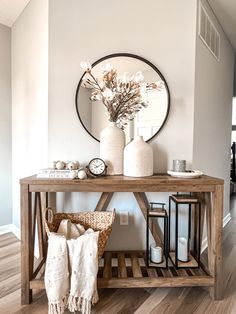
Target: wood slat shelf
x=138, y=275
x=128, y=270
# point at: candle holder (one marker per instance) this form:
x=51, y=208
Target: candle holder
x=187, y=250
x=157, y=253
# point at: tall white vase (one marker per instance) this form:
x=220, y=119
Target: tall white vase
x=138, y=158
x=112, y=143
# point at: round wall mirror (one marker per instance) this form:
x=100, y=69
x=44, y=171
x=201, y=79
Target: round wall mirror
x=148, y=121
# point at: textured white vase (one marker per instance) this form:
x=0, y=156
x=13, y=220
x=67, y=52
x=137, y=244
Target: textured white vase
x=112, y=143
x=138, y=158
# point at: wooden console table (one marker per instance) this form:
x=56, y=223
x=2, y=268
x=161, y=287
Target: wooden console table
x=34, y=200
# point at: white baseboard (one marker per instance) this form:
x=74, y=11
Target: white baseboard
x=10, y=228
x=226, y=220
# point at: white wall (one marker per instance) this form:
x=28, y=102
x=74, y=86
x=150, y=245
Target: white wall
x=85, y=110
x=29, y=95
x=212, y=110
x=78, y=32
x=160, y=31
x=5, y=126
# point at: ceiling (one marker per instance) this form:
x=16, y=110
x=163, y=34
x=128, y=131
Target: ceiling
x=10, y=10
x=225, y=10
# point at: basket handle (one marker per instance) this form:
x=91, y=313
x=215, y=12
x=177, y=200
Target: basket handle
x=113, y=214
x=48, y=218
x=48, y=215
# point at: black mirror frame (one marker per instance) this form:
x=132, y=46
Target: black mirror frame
x=114, y=55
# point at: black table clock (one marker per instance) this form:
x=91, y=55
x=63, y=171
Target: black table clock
x=97, y=167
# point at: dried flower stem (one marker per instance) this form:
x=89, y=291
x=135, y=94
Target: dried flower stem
x=122, y=99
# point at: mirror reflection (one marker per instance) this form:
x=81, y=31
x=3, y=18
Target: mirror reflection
x=148, y=121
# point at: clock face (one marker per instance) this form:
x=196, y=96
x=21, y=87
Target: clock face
x=97, y=166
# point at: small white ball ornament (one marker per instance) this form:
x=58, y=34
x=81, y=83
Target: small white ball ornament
x=82, y=174
x=60, y=165
x=77, y=164
x=73, y=174
x=53, y=164
x=71, y=166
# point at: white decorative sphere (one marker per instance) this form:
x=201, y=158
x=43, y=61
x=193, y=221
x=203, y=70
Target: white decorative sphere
x=60, y=165
x=76, y=163
x=82, y=174
x=71, y=165
x=73, y=174
x=53, y=164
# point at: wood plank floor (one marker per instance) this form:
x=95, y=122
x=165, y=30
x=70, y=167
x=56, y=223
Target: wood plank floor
x=125, y=301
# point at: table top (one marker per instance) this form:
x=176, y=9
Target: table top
x=119, y=179
x=157, y=182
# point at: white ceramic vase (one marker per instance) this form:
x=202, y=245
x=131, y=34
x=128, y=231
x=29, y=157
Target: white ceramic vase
x=138, y=158
x=112, y=143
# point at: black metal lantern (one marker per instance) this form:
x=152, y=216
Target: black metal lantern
x=157, y=254
x=187, y=250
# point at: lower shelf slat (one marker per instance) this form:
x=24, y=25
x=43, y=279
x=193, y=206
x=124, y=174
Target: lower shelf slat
x=128, y=270
x=146, y=282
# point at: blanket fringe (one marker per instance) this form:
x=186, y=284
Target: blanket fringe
x=95, y=297
x=81, y=304
x=57, y=308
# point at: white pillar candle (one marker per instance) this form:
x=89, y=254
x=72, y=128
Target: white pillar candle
x=182, y=249
x=156, y=253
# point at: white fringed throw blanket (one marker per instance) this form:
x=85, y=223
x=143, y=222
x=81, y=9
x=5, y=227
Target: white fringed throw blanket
x=71, y=272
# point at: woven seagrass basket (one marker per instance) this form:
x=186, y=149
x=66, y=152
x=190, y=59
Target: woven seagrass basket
x=98, y=221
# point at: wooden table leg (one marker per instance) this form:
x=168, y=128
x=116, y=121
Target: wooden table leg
x=201, y=198
x=26, y=245
x=44, y=205
x=40, y=226
x=104, y=201
x=215, y=249
x=143, y=203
